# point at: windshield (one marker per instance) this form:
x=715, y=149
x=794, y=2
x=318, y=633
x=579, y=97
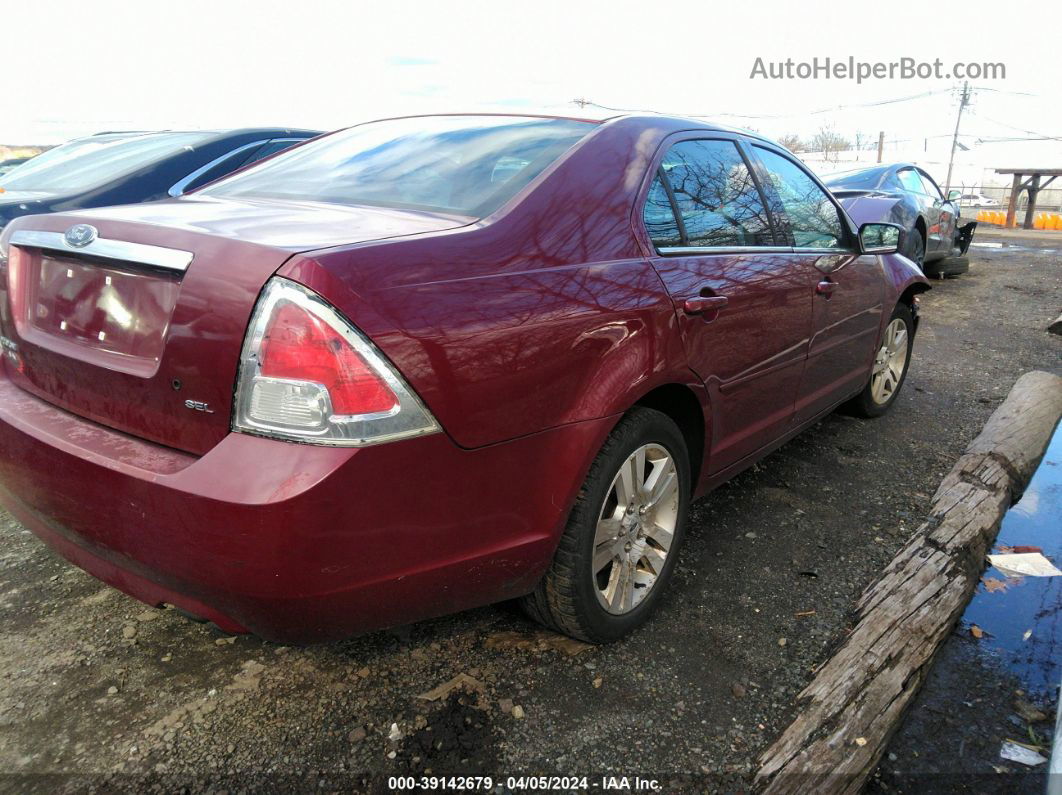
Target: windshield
x=89, y=162
x=469, y=165
x=859, y=178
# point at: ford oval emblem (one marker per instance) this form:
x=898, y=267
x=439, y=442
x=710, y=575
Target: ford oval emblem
x=80, y=235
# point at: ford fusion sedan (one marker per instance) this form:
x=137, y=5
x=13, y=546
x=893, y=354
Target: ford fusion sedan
x=430, y=363
x=122, y=168
x=904, y=194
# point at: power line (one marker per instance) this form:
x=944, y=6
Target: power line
x=1043, y=136
x=832, y=109
x=1010, y=140
x=1004, y=91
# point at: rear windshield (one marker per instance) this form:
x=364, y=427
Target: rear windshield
x=469, y=165
x=859, y=178
x=91, y=162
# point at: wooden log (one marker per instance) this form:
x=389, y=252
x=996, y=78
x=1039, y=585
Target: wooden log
x=1012, y=205
x=858, y=696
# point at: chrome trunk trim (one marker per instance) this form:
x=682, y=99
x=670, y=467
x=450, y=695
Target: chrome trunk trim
x=170, y=259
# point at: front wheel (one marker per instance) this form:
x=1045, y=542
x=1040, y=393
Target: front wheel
x=889, y=371
x=915, y=247
x=618, y=550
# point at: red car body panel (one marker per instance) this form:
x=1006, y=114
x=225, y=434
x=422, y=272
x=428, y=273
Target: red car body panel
x=526, y=334
x=244, y=244
x=293, y=542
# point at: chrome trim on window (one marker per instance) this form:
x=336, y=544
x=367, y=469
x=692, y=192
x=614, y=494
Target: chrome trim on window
x=170, y=259
x=693, y=250
x=179, y=188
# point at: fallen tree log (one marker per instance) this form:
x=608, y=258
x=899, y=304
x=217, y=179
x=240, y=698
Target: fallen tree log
x=856, y=700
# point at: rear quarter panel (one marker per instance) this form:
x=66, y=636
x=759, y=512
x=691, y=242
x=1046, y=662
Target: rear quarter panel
x=877, y=209
x=544, y=315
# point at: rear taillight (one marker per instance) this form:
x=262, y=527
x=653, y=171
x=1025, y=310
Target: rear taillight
x=306, y=374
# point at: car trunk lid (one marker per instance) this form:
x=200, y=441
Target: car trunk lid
x=140, y=329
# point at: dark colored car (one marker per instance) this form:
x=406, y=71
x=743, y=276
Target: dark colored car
x=430, y=363
x=122, y=168
x=904, y=194
x=12, y=163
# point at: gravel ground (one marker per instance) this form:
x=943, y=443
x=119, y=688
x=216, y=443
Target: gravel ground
x=99, y=691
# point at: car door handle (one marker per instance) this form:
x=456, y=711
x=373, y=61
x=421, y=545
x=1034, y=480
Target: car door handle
x=825, y=288
x=704, y=303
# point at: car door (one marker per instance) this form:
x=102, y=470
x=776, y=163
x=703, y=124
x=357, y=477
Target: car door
x=743, y=303
x=947, y=213
x=911, y=181
x=849, y=287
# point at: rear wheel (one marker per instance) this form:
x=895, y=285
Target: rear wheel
x=618, y=551
x=890, y=366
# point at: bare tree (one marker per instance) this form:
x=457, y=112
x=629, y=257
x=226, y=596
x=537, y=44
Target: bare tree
x=829, y=142
x=792, y=142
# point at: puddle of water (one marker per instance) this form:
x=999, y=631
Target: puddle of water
x=1013, y=247
x=1029, y=604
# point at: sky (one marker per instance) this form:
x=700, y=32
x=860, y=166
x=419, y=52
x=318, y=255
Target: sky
x=79, y=67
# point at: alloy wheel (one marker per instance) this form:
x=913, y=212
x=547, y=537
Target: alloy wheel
x=889, y=362
x=635, y=529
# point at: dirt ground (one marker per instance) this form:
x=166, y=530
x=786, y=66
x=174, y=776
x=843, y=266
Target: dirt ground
x=100, y=692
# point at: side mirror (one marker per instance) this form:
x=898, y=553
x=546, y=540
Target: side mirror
x=880, y=238
x=954, y=194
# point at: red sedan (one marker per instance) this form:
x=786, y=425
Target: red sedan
x=429, y=363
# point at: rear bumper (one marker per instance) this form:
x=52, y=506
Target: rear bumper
x=296, y=543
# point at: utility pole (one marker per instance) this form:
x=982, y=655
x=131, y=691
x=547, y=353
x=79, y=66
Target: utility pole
x=964, y=100
x=881, y=144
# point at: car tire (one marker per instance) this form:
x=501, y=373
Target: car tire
x=889, y=370
x=598, y=606
x=950, y=268
x=915, y=247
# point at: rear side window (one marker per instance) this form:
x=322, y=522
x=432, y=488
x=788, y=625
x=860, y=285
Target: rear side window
x=660, y=218
x=813, y=218
x=272, y=148
x=715, y=195
x=234, y=161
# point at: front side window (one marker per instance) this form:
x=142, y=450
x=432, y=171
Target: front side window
x=813, y=218
x=469, y=165
x=716, y=196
